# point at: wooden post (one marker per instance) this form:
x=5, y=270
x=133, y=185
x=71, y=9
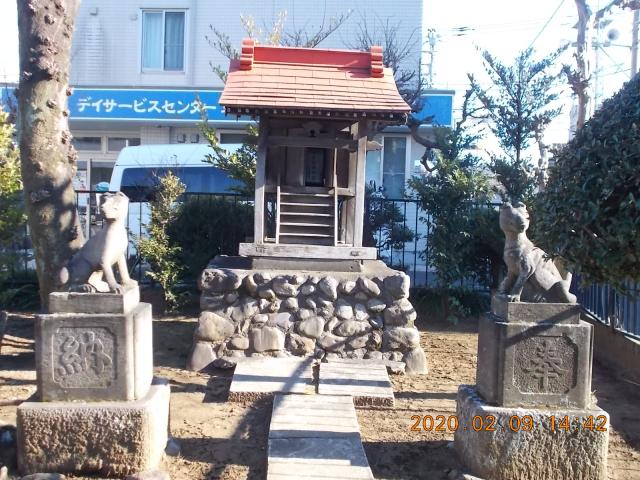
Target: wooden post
x=360, y=183
x=335, y=197
x=261, y=167
x=278, y=209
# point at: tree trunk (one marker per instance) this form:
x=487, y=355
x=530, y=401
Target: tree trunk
x=580, y=84
x=543, y=162
x=48, y=159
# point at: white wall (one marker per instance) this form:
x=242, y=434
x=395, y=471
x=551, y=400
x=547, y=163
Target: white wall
x=107, y=43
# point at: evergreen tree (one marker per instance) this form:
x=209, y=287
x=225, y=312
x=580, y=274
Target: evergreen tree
x=463, y=241
x=520, y=103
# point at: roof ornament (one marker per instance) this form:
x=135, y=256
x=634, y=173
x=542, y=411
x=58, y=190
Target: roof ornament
x=377, y=68
x=246, y=57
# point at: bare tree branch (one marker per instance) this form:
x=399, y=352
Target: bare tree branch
x=275, y=34
x=397, y=51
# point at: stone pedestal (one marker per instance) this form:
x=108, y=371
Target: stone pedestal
x=94, y=357
x=98, y=410
x=103, y=438
x=534, y=354
x=503, y=448
x=534, y=370
x=295, y=310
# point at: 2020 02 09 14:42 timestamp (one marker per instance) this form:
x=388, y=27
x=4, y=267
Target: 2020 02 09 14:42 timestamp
x=515, y=423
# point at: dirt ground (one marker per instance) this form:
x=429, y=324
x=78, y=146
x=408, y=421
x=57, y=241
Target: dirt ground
x=221, y=440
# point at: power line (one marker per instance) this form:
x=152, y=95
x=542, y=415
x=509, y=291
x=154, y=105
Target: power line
x=546, y=24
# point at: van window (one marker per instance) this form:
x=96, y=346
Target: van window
x=233, y=138
x=139, y=183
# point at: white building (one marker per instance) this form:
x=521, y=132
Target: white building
x=139, y=65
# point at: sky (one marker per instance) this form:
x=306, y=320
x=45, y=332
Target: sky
x=9, y=41
x=504, y=27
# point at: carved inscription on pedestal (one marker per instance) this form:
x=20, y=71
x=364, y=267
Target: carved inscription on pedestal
x=83, y=357
x=545, y=364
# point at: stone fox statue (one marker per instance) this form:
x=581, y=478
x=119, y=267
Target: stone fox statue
x=94, y=261
x=531, y=276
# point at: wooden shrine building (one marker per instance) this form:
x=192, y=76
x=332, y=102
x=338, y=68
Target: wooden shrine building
x=315, y=109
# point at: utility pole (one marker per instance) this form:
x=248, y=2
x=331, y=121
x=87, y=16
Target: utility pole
x=634, y=42
x=432, y=38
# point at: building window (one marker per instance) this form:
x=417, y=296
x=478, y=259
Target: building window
x=163, y=40
x=372, y=170
x=393, y=166
x=115, y=144
x=87, y=144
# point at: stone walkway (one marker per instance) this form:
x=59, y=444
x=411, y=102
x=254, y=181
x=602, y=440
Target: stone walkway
x=256, y=378
x=315, y=437
x=367, y=383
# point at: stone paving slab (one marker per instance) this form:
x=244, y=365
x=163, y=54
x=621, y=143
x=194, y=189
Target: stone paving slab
x=315, y=437
x=261, y=377
x=392, y=366
x=369, y=384
x=317, y=458
x=313, y=416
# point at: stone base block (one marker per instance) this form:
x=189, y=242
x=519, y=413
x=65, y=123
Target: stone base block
x=95, y=357
x=76, y=302
x=538, y=364
x=250, y=312
x=495, y=442
x=103, y=438
x=524, y=312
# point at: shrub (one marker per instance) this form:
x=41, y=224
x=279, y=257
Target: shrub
x=157, y=249
x=206, y=227
x=12, y=216
x=590, y=210
x=20, y=292
x=450, y=304
x=384, y=226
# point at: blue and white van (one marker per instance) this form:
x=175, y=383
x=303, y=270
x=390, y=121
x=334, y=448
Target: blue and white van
x=138, y=169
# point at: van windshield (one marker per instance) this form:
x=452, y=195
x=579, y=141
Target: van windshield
x=140, y=183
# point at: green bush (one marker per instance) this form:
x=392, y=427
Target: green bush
x=157, y=248
x=20, y=292
x=209, y=226
x=590, y=210
x=12, y=216
x=450, y=304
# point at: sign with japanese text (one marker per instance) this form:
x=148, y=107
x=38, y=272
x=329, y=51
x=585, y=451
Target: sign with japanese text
x=183, y=105
x=135, y=104
x=139, y=104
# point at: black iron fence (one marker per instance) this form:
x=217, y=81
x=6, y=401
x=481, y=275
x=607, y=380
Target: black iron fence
x=620, y=312
x=398, y=228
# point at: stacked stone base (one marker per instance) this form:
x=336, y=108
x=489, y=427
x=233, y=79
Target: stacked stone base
x=503, y=450
x=103, y=438
x=249, y=312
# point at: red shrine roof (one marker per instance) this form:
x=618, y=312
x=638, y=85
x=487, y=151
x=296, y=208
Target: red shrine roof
x=309, y=81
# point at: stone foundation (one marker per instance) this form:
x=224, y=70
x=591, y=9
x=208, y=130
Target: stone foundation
x=248, y=312
x=547, y=452
x=104, y=438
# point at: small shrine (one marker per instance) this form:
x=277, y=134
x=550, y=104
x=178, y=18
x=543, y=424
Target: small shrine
x=306, y=285
x=315, y=109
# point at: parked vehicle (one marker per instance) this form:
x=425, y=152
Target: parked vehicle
x=138, y=170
